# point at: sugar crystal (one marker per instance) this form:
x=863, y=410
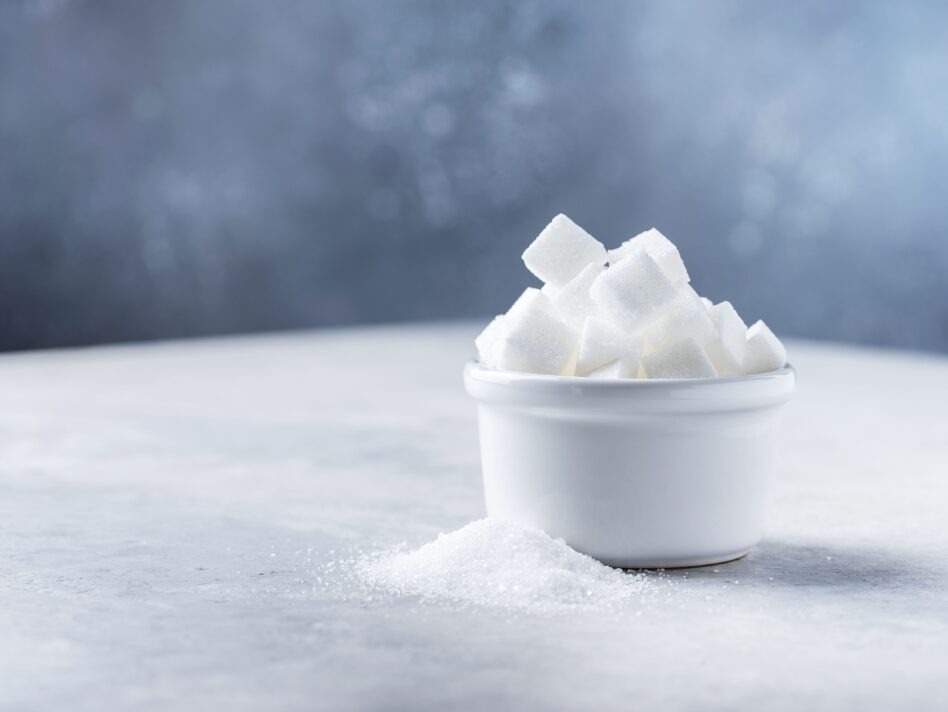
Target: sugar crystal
x=499, y=564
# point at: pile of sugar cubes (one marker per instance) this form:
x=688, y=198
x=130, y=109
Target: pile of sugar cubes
x=623, y=313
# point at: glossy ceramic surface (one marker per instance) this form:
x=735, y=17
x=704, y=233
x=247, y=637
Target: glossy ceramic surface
x=635, y=473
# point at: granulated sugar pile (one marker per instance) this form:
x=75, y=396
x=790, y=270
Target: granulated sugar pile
x=495, y=563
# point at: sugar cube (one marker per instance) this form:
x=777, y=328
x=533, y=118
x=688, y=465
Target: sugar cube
x=763, y=351
x=531, y=297
x=561, y=251
x=632, y=292
x=550, y=290
x=638, y=317
x=572, y=300
x=601, y=343
x=534, y=339
x=727, y=347
x=660, y=248
x=489, y=341
x=613, y=369
x=684, y=316
x=685, y=359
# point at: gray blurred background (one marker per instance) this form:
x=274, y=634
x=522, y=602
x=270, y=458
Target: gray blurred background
x=209, y=166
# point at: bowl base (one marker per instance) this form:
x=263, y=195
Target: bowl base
x=683, y=562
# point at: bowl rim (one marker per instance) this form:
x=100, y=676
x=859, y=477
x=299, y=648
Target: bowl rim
x=670, y=395
x=478, y=370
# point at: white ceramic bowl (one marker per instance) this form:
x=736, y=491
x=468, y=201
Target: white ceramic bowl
x=635, y=473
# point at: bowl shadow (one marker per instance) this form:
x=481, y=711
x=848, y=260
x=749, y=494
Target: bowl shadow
x=774, y=562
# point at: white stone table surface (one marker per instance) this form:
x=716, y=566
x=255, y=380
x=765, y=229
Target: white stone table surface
x=165, y=510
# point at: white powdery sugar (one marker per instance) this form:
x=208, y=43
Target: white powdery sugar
x=499, y=564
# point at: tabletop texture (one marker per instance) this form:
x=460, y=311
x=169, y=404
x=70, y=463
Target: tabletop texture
x=168, y=512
